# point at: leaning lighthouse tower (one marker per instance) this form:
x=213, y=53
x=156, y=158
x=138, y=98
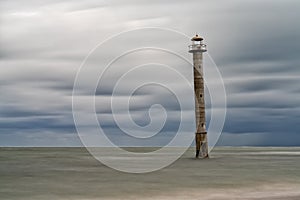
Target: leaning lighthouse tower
x=197, y=49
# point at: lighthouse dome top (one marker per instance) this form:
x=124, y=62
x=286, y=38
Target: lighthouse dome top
x=197, y=38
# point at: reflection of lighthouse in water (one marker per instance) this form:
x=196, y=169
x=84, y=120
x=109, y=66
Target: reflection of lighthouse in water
x=197, y=48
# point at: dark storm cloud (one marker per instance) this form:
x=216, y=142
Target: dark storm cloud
x=42, y=44
x=49, y=123
x=260, y=139
x=272, y=123
x=11, y=112
x=261, y=74
x=255, y=84
x=270, y=48
x=257, y=34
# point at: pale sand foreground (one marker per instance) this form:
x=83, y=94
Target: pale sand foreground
x=271, y=192
x=230, y=173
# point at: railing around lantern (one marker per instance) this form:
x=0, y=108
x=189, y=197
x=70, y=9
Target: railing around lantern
x=197, y=47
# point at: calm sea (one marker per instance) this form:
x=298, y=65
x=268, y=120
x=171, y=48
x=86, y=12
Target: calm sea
x=72, y=173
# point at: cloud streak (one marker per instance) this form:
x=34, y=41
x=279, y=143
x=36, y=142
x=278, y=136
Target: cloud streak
x=42, y=45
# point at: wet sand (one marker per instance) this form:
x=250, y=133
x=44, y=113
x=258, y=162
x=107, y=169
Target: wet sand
x=72, y=173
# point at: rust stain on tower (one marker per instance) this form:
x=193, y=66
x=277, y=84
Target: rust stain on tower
x=198, y=48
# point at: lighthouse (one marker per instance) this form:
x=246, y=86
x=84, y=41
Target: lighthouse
x=197, y=48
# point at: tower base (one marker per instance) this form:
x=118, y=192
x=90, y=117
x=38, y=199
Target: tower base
x=201, y=145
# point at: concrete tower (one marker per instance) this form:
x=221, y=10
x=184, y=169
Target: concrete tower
x=197, y=48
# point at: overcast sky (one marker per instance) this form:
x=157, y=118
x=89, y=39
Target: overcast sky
x=255, y=44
